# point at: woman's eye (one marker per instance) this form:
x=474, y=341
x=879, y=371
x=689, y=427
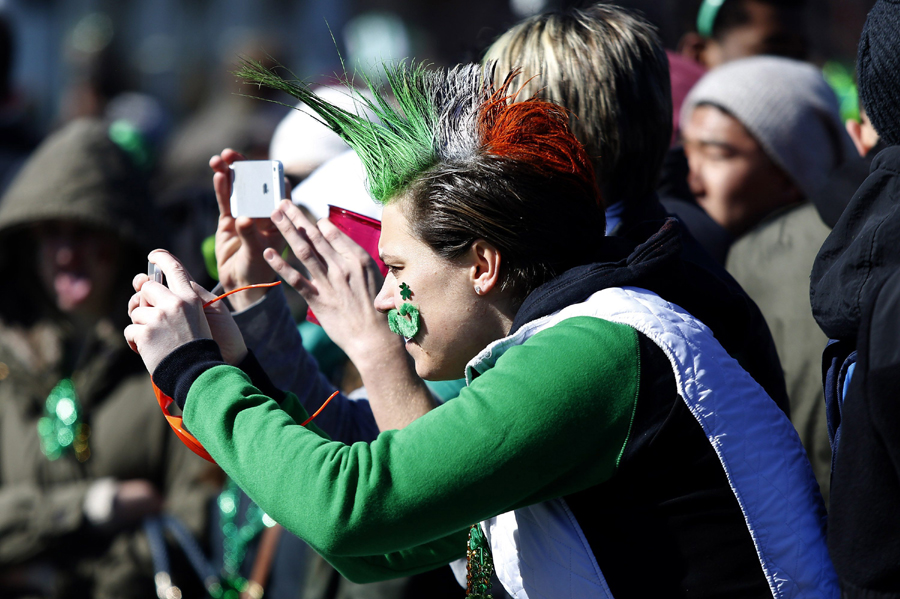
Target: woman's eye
x=393, y=269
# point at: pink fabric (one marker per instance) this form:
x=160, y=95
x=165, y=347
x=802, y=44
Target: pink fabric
x=683, y=73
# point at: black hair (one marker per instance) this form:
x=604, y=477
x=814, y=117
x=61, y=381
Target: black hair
x=734, y=14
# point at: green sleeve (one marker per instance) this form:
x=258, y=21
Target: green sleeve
x=550, y=418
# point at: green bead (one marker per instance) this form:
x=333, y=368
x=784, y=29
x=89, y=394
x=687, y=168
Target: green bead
x=66, y=411
x=65, y=437
x=226, y=504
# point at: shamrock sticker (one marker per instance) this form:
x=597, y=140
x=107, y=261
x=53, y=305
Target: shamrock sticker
x=405, y=292
x=404, y=321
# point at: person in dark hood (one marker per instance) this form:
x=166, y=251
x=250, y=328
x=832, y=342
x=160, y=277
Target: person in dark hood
x=854, y=294
x=85, y=455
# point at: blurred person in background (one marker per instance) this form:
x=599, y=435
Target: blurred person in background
x=728, y=30
x=85, y=456
x=607, y=66
x=855, y=294
x=762, y=137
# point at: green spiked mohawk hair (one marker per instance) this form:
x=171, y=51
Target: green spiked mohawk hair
x=433, y=118
x=454, y=118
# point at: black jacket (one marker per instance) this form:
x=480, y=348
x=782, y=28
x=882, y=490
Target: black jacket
x=855, y=295
x=861, y=252
x=670, y=495
x=670, y=262
x=863, y=527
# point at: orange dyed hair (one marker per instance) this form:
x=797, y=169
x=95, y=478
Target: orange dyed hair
x=535, y=132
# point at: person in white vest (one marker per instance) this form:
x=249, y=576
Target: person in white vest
x=606, y=444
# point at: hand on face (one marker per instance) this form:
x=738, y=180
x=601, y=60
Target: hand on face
x=164, y=318
x=240, y=242
x=343, y=280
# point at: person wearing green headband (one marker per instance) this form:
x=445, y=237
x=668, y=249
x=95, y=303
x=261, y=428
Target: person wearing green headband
x=730, y=29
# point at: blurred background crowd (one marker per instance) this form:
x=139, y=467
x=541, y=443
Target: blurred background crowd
x=110, y=111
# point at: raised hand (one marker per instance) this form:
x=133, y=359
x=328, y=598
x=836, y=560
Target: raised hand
x=240, y=242
x=342, y=284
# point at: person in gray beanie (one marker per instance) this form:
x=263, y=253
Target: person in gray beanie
x=760, y=133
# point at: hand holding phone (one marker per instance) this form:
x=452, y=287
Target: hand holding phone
x=256, y=187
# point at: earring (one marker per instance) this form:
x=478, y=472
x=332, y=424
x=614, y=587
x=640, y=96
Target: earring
x=477, y=290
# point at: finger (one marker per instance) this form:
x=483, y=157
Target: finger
x=322, y=246
x=130, y=332
x=177, y=276
x=248, y=230
x=291, y=275
x=342, y=243
x=134, y=302
x=222, y=186
x=153, y=294
x=221, y=162
x=300, y=245
x=144, y=315
x=138, y=280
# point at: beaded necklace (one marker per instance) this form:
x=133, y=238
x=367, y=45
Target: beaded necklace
x=236, y=539
x=479, y=565
x=60, y=429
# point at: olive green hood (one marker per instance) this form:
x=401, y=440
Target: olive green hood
x=79, y=174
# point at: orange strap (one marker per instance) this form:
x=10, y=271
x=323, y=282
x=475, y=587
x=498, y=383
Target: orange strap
x=177, y=423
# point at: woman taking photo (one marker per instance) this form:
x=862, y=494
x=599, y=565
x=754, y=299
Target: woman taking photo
x=606, y=444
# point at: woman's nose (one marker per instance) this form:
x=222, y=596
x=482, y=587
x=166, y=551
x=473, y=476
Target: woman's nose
x=384, y=301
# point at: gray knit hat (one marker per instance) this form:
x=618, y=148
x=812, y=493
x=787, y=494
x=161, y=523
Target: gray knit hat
x=788, y=108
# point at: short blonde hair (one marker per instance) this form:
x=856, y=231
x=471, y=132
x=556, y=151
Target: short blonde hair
x=608, y=68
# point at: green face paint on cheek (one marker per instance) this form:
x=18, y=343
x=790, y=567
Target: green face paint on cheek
x=405, y=321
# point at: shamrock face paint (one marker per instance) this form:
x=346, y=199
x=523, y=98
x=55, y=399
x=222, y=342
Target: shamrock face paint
x=405, y=320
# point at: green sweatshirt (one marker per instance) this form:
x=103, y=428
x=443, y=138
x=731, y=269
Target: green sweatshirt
x=549, y=419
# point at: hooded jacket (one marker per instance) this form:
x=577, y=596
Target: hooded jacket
x=49, y=547
x=854, y=292
x=861, y=252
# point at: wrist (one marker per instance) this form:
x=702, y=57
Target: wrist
x=244, y=299
x=374, y=357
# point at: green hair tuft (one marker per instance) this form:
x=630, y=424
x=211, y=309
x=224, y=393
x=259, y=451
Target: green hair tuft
x=394, y=151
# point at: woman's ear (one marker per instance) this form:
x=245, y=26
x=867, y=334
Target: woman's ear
x=485, y=266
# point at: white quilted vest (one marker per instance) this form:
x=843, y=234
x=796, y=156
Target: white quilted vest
x=540, y=551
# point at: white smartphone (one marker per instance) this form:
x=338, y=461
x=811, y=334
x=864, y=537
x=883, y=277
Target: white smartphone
x=256, y=187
